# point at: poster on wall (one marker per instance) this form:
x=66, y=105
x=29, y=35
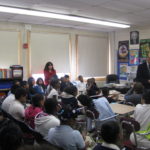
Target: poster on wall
x=123, y=70
x=123, y=51
x=134, y=37
x=133, y=57
x=144, y=48
x=132, y=70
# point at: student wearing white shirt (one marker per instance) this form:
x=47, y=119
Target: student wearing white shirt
x=9, y=99
x=81, y=85
x=142, y=115
x=17, y=108
x=112, y=136
x=55, y=84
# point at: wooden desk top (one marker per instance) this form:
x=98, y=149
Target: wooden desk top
x=121, y=108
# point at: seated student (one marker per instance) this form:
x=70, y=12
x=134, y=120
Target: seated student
x=81, y=85
x=10, y=98
x=92, y=88
x=105, y=93
x=17, y=106
x=102, y=106
x=64, y=136
x=65, y=82
x=32, y=91
x=69, y=96
x=46, y=120
x=14, y=83
x=40, y=88
x=112, y=136
x=88, y=103
x=10, y=136
x=25, y=85
x=55, y=85
x=35, y=108
x=134, y=95
x=142, y=115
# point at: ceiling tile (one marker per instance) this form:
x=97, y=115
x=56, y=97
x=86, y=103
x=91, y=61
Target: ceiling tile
x=122, y=6
x=140, y=3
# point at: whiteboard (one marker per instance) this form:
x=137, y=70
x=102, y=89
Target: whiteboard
x=49, y=47
x=92, y=56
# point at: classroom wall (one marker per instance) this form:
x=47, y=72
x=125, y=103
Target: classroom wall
x=122, y=35
x=25, y=32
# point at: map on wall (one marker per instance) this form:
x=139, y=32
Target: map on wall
x=144, y=48
x=123, y=51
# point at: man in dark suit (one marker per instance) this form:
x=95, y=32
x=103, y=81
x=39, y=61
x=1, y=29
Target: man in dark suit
x=143, y=73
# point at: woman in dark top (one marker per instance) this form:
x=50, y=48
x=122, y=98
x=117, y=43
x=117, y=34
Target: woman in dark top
x=49, y=72
x=69, y=96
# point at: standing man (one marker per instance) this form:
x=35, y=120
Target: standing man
x=143, y=73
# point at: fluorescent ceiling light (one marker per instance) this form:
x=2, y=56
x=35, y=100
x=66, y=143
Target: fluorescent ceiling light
x=60, y=16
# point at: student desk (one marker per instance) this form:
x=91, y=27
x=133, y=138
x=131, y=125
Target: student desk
x=122, y=109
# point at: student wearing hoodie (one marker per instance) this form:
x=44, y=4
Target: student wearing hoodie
x=69, y=96
x=35, y=108
x=46, y=120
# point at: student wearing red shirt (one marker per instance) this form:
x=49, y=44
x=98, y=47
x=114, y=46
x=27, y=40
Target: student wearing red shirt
x=49, y=72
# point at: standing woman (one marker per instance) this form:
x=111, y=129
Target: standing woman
x=49, y=72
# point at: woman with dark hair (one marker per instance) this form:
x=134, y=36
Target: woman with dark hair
x=40, y=86
x=49, y=72
x=69, y=96
x=35, y=108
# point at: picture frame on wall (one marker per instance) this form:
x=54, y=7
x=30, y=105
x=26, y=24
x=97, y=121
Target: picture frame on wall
x=134, y=37
x=123, y=71
x=123, y=51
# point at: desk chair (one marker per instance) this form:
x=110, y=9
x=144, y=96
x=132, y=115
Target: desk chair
x=112, y=78
x=131, y=126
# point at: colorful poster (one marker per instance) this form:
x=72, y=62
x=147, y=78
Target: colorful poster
x=144, y=48
x=134, y=37
x=123, y=70
x=133, y=57
x=123, y=51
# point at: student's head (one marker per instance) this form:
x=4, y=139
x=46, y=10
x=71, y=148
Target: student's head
x=55, y=83
x=16, y=82
x=14, y=88
x=38, y=100
x=146, y=97
x=105, y=91
x=72, y=90
x=39, y=81
x=51, y=105
x=80, y=78
x=49, y=66
x=10, y=136
x=31, y=81
x=21, y=94
x=67, y=114
x=138, y=88
x=25, y=84
x=85, y=100
x=110, y=132
x=66, y=78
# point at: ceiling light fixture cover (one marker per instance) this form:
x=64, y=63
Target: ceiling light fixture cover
x=22, y=11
